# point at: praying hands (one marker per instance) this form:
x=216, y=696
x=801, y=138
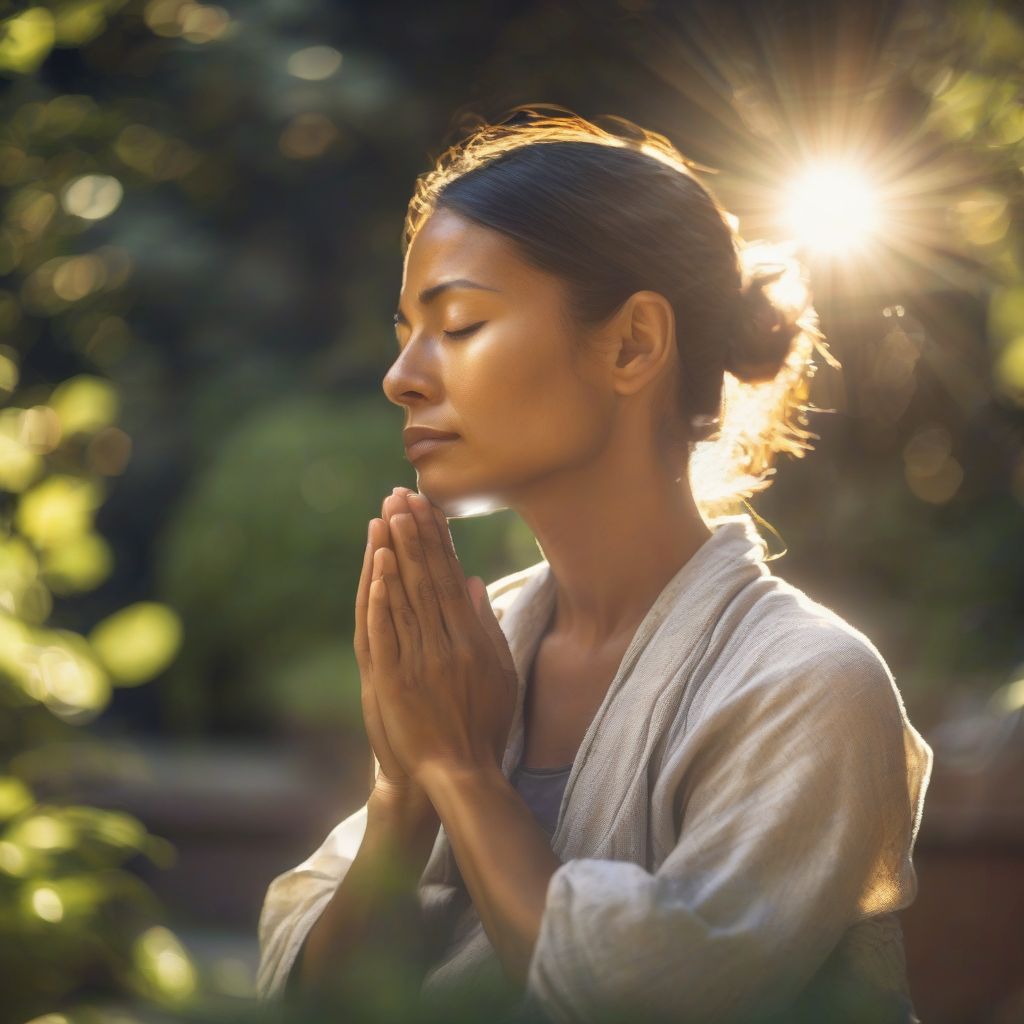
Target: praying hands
x=439, y=683
x=439, y=687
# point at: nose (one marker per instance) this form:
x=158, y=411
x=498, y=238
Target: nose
x=412, y=377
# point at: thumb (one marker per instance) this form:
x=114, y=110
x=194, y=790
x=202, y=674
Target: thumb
x=478, y=593
x=482, y=605
x=485, y=613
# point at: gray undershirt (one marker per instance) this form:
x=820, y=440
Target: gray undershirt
x=541, y=790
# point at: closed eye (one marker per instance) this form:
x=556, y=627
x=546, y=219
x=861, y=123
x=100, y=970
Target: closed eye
x=465, y=331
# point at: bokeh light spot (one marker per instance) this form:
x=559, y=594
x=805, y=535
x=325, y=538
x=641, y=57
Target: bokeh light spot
x=20, y=465
x=15, y=797
x=57, y=509
x=164, y=963
x=13, y=859
x=47, y=904
x=983, y=217
x=137, y=642
x=931, y=471
x=314, y=63
x=85, y=404
x=92, y=196
x=307, y=135
x=26, y=40
x=44, y=832
x=1009, y=369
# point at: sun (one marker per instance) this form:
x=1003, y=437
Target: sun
x=831, y=208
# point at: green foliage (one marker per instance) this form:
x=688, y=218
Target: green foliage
x=199, y=255
x=976, y=89
x=73, y=913
x=263, y=553
x=69, y=910
x=27, y=37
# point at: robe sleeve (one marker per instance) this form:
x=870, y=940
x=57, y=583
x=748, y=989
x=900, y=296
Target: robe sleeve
x=296, y=898
x=800, y=800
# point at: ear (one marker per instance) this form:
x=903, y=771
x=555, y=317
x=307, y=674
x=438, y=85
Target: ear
x=645, y=330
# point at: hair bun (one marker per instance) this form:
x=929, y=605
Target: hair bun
x=766, y=326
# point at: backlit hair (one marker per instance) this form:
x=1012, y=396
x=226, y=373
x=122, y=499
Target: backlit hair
x=613, y=211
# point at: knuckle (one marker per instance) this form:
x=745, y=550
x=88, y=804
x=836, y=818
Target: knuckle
x=441, y=648
x=451, y=586
x=425, y=589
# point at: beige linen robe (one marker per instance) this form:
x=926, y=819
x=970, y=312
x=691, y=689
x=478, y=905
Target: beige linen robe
x=736, y=832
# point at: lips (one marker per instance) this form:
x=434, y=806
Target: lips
x=426, y=445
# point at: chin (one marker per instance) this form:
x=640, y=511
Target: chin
x=457, y=503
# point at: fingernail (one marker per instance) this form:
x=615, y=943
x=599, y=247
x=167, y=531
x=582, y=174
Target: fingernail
x=418, y=501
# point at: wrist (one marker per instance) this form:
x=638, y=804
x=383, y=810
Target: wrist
x=436, y=777
x=401, y=811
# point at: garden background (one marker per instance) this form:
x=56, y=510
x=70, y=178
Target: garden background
x=200, y=218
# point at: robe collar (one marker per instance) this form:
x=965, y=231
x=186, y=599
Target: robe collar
x=692, y=599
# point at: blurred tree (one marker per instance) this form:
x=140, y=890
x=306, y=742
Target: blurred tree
x=263, y=556
x=72, y=917
x=914, y=529
x=199, y=255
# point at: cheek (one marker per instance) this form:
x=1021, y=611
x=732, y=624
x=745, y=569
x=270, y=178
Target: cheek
x=526, y=400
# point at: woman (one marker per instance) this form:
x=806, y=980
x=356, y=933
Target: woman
x=645, y=778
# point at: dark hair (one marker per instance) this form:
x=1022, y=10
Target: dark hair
x=612, y=214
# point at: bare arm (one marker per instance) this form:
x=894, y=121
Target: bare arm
x=503, y=854
x=375, y=912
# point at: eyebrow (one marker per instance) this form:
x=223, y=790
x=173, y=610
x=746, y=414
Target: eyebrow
x=429, y=294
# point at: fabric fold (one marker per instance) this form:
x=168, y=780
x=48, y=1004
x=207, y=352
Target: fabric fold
x=736, y=830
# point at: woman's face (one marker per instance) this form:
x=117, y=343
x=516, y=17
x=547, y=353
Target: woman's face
x=524, y=401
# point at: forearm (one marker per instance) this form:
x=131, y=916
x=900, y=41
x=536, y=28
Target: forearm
x=503, y=855
x=374, y=912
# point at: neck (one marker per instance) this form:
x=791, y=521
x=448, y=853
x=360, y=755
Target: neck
x=613, y=539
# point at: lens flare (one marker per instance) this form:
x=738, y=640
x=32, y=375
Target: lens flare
x=831, y=208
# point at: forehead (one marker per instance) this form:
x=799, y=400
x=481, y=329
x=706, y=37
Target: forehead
x=450, y=245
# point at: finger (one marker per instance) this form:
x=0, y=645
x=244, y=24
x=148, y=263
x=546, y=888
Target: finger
x=452, y=590
x=380, y=627
x=443, y=533
x=405, y=622
x=360, y=641
x=374, y=768
x=389, y=506
x=375, y=730
x=493, y=626
x=382, y=757
x=417, y=580
x=475, y=587
x=448, y=545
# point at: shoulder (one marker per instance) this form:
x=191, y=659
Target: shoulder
x=785, y=641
